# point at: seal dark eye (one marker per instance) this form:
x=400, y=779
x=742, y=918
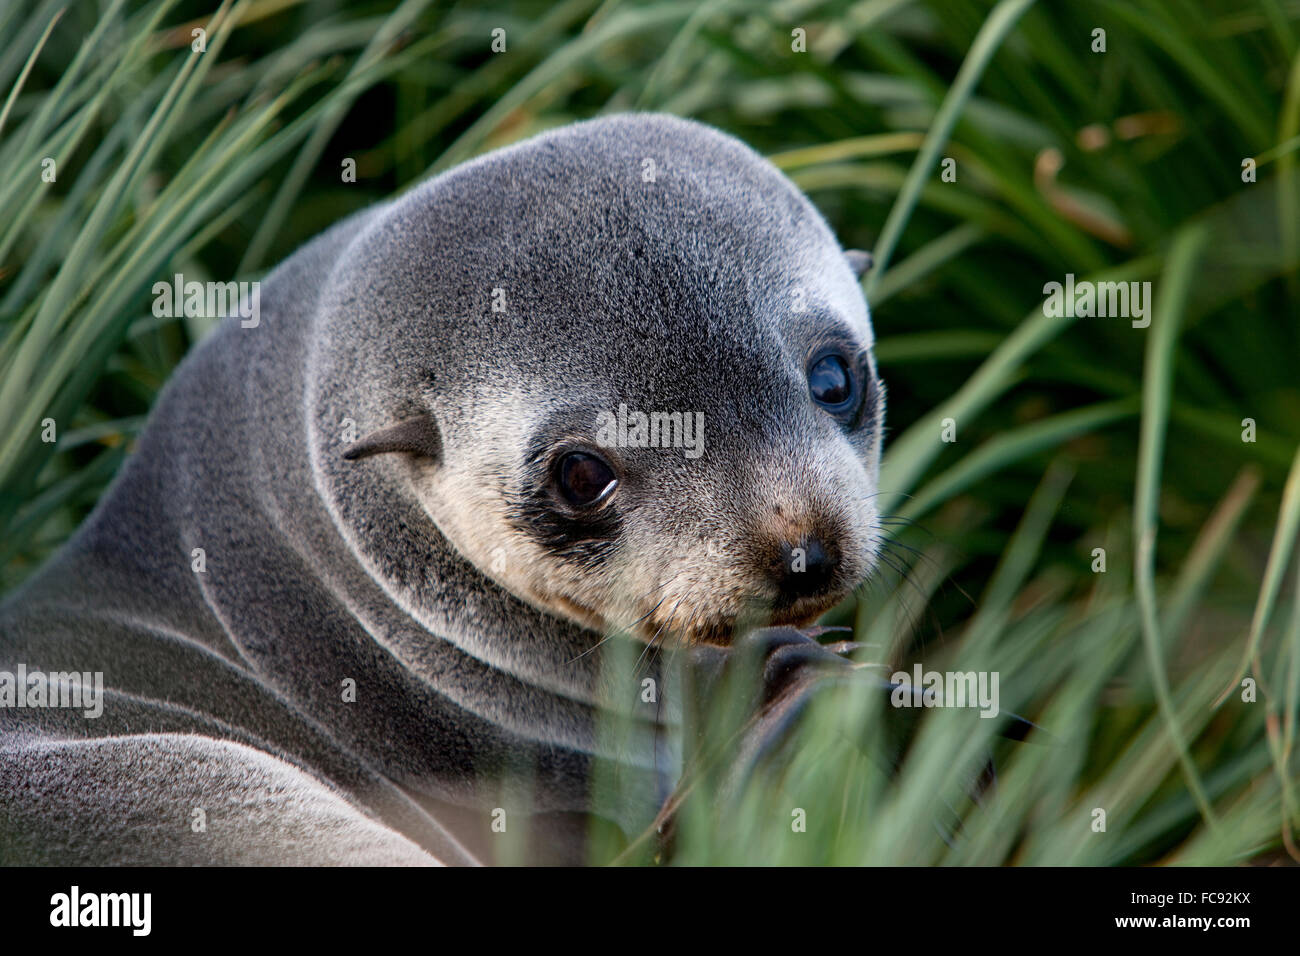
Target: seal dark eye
x=584, y=479
x=831, y=383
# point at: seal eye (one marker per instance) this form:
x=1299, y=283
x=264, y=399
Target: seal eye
x=830, y=383
x=584, y=479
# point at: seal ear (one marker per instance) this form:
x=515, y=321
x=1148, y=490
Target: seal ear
x=859, y=261
x=416, y=436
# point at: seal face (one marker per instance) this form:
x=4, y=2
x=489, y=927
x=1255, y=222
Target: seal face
x=653, y=401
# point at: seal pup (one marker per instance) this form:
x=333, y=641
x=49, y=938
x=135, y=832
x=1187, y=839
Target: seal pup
x=346, y=593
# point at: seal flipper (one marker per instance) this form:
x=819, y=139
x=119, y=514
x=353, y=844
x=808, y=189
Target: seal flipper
x=417, y=436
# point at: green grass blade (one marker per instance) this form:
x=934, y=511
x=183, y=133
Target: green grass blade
x=991, y=35
x=1158, y=378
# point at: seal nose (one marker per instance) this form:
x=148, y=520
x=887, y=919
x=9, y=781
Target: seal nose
x=805, y=568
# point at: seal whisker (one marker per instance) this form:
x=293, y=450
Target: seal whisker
x=593, y=647
x=629, y=627
x=651, y=642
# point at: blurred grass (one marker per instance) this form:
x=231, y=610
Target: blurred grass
x=1105, y=165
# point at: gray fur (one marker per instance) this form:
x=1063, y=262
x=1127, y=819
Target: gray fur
x=404, y=556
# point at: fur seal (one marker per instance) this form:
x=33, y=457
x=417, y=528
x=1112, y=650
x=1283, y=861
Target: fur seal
x=348, y=587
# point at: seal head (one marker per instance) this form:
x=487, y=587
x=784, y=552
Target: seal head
x=623, y=367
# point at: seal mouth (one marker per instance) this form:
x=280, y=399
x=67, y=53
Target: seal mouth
x=691, y=627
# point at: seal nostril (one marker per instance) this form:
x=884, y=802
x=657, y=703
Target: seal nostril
x=805, y=568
